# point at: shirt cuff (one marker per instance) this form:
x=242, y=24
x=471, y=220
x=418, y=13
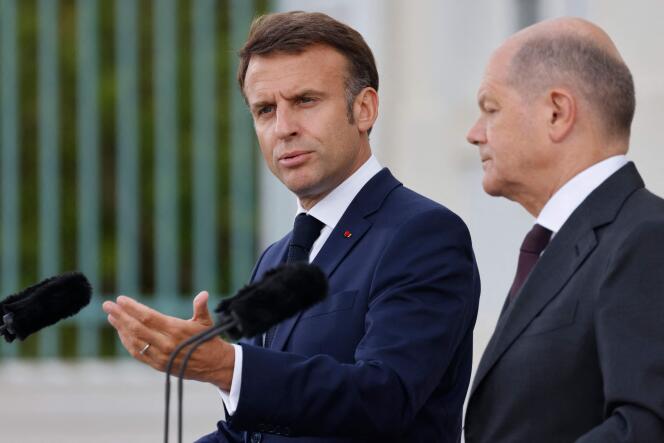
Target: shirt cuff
x=232, y=398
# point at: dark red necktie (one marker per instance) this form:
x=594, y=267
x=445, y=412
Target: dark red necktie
x=531, y=249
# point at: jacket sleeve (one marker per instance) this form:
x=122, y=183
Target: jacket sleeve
x=630, y=340
x=423, y=304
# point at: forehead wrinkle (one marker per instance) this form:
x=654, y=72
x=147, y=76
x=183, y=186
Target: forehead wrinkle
x=263, y=89
x=289, y=72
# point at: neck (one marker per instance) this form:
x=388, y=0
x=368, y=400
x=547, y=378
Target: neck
x=309, y=201
x=549, y=184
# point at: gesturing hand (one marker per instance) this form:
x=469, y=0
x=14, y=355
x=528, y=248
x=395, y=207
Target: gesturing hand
x=139, y=326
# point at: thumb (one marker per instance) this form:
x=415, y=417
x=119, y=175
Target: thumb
x=201, y=312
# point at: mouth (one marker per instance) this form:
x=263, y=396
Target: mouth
x=294, y=158
x=292, y=154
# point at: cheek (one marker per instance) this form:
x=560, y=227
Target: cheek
x=264, y=142
x=503, y=141
x=267, y=151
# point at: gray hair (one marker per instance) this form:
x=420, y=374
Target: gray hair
x=603, y=80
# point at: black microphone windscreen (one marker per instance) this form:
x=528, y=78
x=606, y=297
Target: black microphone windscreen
x=47, y=302
x=281, y=293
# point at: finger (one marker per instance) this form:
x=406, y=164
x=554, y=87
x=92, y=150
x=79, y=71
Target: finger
x=130, y=342
x=201, y=312
x=134, y=334
x=137, y=325
x=155, y=355
x=108, y=307
x=147, y=316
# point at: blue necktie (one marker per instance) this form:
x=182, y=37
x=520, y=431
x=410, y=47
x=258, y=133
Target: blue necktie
x=306, y=230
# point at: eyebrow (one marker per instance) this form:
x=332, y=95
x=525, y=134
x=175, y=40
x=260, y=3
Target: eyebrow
x=293, y=97
x=481, y=100
x=304, y=93
x=309, y=92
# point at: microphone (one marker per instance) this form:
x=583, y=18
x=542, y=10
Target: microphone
x=43, y=304
x=281, y=293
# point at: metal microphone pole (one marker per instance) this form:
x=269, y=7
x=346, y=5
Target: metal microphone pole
x=232, y=322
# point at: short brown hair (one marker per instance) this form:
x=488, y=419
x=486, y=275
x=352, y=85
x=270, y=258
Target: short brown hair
x=293, y=32
x=603, y=80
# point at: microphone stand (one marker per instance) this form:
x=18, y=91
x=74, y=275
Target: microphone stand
x=210, y=335
x=227, y=323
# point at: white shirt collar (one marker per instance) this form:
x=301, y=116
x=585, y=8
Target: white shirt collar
x=561, y=205
x=330, y=209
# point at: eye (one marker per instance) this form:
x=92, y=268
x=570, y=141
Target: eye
x=265, y=110
x=306, y=99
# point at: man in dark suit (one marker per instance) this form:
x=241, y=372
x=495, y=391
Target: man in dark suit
x=578, y=352
x=386, y=357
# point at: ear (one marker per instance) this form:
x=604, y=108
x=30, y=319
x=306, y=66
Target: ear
x=561, y=114
x=365, y=109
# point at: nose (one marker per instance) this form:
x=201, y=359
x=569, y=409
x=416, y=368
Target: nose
x=286, y=124
x=477, y=134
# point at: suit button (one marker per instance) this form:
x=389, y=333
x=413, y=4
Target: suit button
x=256, y=437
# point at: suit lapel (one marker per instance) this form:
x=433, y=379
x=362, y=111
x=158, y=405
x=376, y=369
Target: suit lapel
x=272, y=257
x=540, y=288
x=338, y=244
x=563, y=257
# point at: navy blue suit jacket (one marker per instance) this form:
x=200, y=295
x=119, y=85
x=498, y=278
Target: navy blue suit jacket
x=386, y=357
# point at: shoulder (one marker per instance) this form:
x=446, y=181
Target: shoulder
x=410, y=229
x=642, y=212
x=405, y=207
x=385, y=198
x=421, y=241
x=637, y=233
x=643, y=200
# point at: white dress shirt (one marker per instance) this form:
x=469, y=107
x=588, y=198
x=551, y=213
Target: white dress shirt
x=329, y=211
x=561, y=205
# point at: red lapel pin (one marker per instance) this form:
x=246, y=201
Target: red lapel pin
x=347, y=234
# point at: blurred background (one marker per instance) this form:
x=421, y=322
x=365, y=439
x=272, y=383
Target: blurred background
x=126, y=152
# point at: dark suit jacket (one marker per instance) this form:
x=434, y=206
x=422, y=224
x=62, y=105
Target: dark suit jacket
x=386, y=357
x=579, y=355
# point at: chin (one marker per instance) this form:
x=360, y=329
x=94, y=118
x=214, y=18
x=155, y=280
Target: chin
x=301, y=189
x=492, y=188
x=296, y=181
